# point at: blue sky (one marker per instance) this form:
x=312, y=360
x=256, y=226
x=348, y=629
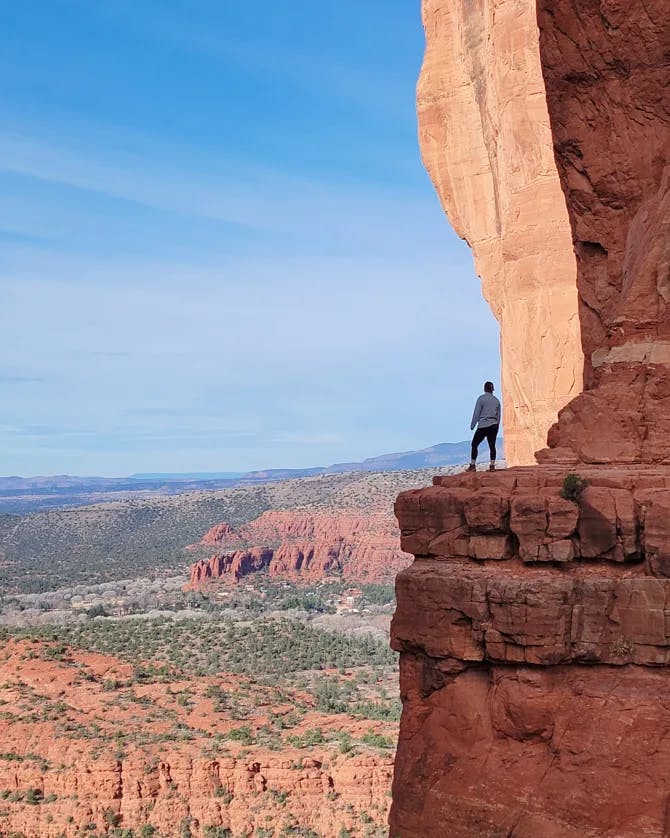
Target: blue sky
x=218, y=248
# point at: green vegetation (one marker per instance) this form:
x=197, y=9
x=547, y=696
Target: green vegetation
x=573, y=486
x=378, y=594
x=290, y=667
x=264, y=647
x=121, y=540
x=33, y=796
x=111, y=818
x=308, y=739
x=377, y=740
x=330, y=672
x=133, y=537
x=216, y=832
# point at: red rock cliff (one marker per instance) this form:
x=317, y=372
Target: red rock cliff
x=535, y=646
x=305, y=546
x=486, y=142
x=606, y=66
x=533, y=630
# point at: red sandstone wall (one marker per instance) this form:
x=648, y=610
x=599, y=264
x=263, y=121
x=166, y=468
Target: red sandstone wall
x=486, y=142
x=534, y=640
x=305, y=546
x=607, y=74
x=534, y=631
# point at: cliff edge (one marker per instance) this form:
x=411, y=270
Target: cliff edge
x=486, y=141
x=534, y=624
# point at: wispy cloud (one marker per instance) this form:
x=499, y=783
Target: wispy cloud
x=325, y=212
x=227, y=257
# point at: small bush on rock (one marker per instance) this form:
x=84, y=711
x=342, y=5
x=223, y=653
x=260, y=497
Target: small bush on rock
x=573, y=486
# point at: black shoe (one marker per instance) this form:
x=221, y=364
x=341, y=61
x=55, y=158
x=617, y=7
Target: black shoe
x=472, y=467
x=492, y=467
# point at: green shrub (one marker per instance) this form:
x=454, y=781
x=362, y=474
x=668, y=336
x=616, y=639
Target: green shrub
x=377, y=740
x=111, y=817
x=279, y=796
x=33, y=796
x=310, y=737
x=242, y=734
x=573, y=486
x=225, y=794
x=345, y=741
x=216, y=832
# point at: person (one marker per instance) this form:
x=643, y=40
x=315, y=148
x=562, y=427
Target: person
x=486, y=417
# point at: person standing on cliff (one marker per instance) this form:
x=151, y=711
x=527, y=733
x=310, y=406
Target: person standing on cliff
x=486, y=417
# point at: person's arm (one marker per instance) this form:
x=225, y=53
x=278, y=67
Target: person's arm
x=477, y=413
x=498, y=413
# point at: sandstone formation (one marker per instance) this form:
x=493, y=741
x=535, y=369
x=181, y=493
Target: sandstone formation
x=78, y=757
x=486, y=142
x=534, y=629
x=534, y=635
x=217, y=534
x=607, y=73
x=304, y=546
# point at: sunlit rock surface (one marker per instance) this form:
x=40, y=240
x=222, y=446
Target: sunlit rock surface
x=607, y=72
x=486, y=142
x=534, y=629
x=534, y=635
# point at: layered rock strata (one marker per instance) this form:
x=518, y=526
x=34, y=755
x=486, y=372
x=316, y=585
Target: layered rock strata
x=486, y=141
x=304, y=546
x=534, y=635
x=534, y=632
x=606, y=67
x=82, y=754
x=549, y=147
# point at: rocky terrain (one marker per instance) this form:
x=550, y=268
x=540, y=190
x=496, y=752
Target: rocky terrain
x=304, y=546
x=265, y=708
x=607, y=79
x=148, y=537
x=93, y=745
x=534, y=639
x=533, y=624
x=21, y=495
x=486, y=141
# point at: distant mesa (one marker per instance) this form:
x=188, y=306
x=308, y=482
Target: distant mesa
x=303, y=546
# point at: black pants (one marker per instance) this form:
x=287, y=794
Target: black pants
x=490, y=433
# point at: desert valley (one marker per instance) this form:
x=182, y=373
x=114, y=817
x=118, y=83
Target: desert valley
x=216, y=229
x=208, y=663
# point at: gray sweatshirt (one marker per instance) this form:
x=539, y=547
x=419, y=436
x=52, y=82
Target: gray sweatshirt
x=487, y=411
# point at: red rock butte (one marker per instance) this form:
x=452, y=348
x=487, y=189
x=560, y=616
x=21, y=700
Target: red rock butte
x=534, y=629
x=303, y=546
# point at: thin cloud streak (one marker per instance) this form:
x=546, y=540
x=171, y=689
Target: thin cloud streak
x=254, y=198
x=227, y=257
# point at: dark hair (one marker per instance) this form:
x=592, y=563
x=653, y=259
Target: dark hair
x=488, y=386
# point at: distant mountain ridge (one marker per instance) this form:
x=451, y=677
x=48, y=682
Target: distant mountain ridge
x=443, y=454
